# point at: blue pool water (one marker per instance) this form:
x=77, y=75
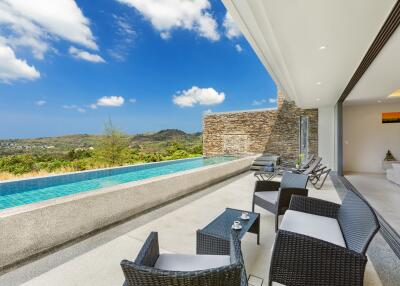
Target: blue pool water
x=24, y=192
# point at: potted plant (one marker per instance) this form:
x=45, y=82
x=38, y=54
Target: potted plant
x=299, y=160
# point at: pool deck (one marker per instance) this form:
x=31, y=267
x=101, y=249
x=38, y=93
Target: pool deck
x=95, y=260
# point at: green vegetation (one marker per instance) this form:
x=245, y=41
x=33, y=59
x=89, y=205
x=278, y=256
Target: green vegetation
x=83, y=152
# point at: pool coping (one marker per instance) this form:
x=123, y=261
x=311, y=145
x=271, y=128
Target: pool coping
x=60, y=200
x=35, y=228
x=52, y=175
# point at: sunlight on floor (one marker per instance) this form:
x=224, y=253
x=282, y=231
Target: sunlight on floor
x=177, y=233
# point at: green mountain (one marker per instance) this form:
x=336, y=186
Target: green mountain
x=166, y=135
x=153, y=141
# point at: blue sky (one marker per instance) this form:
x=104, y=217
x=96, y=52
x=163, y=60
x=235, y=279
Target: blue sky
x=67, y=67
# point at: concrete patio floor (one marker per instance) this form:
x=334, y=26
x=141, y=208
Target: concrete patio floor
x=95, y=260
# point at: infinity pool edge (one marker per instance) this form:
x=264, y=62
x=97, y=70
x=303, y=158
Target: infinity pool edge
x=34, y=228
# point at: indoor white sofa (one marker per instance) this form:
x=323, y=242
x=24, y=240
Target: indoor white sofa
x=393, y=174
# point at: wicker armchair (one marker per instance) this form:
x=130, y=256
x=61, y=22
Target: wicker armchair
x=152, y=268
x=324, y=243
x=275, y=196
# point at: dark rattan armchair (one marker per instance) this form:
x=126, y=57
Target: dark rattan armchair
x=323, y=243
x=275, y=196
x=152, y=268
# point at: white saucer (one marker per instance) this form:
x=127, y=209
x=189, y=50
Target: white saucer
x=236, y=228
x=245, y=218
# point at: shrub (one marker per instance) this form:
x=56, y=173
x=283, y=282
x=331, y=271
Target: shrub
x=18, y=164
x=180, y=154
x=80, y=165
x=55, y=165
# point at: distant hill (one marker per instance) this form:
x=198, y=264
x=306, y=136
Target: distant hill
x=166, y=135
x=151, y=141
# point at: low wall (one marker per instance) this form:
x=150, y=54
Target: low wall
x=274, y=131
x=30, y=229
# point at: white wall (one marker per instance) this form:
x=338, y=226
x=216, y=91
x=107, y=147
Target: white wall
x=326, y=136
x=366, y=140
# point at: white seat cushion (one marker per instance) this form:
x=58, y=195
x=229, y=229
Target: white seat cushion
x=323, y=228
x=183, y=262
x=271, y=197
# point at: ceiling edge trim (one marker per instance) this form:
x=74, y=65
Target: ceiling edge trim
x=392, y=22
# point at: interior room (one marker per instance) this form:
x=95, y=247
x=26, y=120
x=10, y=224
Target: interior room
x=371, y=133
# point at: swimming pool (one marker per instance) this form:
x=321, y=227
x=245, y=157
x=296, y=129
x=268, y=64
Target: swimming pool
x=27, y=191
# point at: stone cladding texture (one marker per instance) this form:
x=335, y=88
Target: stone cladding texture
x=260, y=131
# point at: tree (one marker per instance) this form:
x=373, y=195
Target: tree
x=114, y=144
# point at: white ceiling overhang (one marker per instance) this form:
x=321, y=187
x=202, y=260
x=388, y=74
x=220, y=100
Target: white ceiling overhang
x=382, y=78
x=310, y=48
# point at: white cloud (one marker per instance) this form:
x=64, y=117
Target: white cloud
x=40, y=102
x=12, y=68
x=123, y=25
x=61, y=18
x=132, y=100
x=84, y=55
x=125, y=36
x=114, y=101
x=74, y=107
x=166, y=15
x=208, y=111
x=231, y=29
x=263, y=101
x=117, y=55
x=36, y=46
x=35, y=24
x=259, y=102
x=239, y=48
x=165, y=35
x=196, y=95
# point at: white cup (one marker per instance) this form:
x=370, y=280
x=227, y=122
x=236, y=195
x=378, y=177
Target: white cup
x=245, y=215
x=236, y=224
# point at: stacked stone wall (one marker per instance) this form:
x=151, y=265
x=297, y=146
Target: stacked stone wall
x=260, y=131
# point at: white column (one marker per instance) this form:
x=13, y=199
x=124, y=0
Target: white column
x=326, y=136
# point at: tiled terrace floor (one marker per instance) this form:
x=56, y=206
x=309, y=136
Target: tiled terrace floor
x=382, y=194
x=95, y=260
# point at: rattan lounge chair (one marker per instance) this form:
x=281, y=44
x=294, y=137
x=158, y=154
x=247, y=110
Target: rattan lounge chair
x=152, y=268
x=323, y=243
x=306, y=163
x=318, y=177
x=314, y=165
x=275, y=196
x=267, y=175
x=265, y=160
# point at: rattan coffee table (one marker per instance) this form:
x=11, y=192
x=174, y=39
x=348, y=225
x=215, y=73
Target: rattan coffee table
x=214, y=239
